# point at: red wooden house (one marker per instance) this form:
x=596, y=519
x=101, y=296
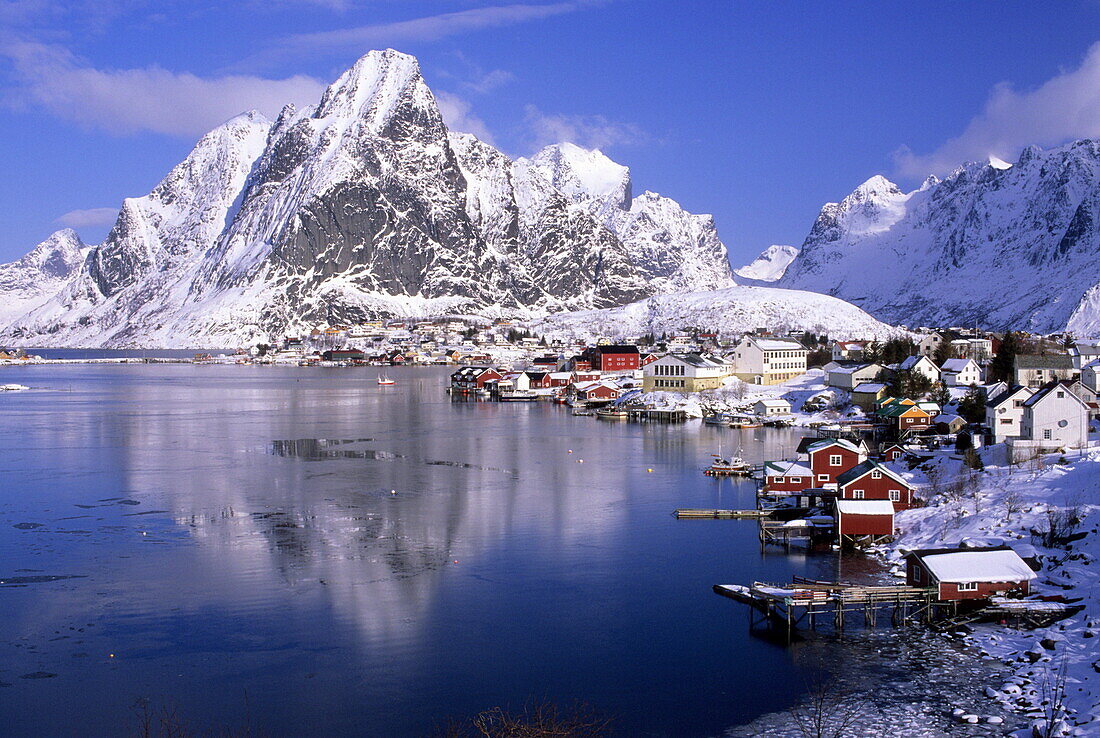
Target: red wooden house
x=969, y=573
x=787, y=476
x=869, y=520
x=592, y=391
x=832, y=457
x=893, y=453
x=613, y=358
x=470, y=378
x=870, y=480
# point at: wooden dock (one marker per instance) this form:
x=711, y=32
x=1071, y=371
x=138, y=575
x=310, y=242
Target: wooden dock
x=659, y=416
x=792, y=604
x=734, y=514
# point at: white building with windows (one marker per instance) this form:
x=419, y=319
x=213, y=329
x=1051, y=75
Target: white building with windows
x=1005, y=412
x=961, y=372
x=685, y=373
x=1053, y=418
x=920, y=364
x=769, y=360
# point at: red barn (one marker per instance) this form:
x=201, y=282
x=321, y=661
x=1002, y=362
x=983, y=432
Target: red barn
x=864, y=519
x=613, y=358
x=969, y=573
x=831, y=458
x=870, y=480
x=787, y=476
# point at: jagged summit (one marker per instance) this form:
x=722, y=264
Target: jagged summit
x=1002, y=246
x=365, y=205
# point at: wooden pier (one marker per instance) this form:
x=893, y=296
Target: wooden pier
x=734, y=514
x=790, y=605
x=786, y=533
x=659, y=416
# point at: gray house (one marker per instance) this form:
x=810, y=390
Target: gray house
x=1035, y=371
x=1054, y=418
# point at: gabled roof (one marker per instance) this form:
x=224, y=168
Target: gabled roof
x=773, y=402
x=869, y=388
x=954, y=366
x=911, y=361
x=1011, y=393
x=864, y=507
x=852, y=368
x=993, y=564
x=829, y=442
x=1045, y=392
x=866, y=467
x=787, y=469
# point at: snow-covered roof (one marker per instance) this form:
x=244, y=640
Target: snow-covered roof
x=825, y=443
x=777, y=344
x=946, y=418
x=865, y=507
x=976, y=565
x=865, y=467
x=773, y=402
x=956, y=365
x=850, y=368
x=911, y=361
x=787, y=469
x=870, y=388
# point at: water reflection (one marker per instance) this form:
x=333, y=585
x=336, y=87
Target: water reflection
x=354, y=557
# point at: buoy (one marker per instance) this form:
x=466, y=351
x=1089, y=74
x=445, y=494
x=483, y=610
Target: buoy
x=570, y=450
x=650, y=471
x=580, y=461
x=393, y=491
x=456, y=561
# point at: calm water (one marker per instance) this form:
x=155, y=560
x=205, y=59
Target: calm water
x=233, y=547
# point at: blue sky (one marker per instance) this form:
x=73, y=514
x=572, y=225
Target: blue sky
x=757, y=112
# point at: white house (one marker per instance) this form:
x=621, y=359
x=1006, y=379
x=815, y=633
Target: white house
x=769, y=360
x=684, y=373
x=771, y=406
x=961, y=372
x=1084, y=354
x=848, y=350
x=920, y=364
x=849, y=376
x=1005, y=412
x=1053, y=418
x=929, y=343
x=1089, y=374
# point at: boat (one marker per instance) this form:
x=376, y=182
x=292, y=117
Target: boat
x=384, y=381
x=13, y=387
x=743, y=421
x=723, y=466
x=612, y=413
x=717, y=419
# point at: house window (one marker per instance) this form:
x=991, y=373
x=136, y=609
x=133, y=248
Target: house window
x=915, y=570
x=857, y=494
x=876, y=474
x=796, y=480
x=895, y=495
x=1047, y=434
x=968, y=586
x=823, y=477
x=1061, y=395
x=834, y=460
x=1006, y=421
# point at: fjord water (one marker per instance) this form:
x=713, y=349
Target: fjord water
x=304, y=551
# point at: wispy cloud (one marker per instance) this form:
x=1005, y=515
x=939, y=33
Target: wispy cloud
x=459, y=116
x=1063, y=108
x=88, y=218
x=428, y=28
x=124, y=101
x=589, y=131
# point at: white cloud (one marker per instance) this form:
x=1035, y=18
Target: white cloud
x=429, y=28
x=589, y=131
x=1061, y=109
x=148, y=99
x=458, y=115
x=88, y=218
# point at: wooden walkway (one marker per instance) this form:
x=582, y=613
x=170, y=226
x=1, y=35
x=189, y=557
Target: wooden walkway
x=805, y=601
x=735, y=514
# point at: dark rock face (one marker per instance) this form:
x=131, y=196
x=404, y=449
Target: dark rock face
x=367, y=206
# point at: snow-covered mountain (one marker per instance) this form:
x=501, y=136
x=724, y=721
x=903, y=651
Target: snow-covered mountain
x=770, y=265
x=731, y=310
x=34, y=279
x=362, y=206
x=1003, y=246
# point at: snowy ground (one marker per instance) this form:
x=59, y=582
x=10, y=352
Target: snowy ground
x=1013, y=505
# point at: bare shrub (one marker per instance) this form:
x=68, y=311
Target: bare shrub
x=536, y=720
x=827, y=711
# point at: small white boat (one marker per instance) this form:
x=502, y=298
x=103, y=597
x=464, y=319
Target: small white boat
x=612, y=413
x=384, y=381
x=13, y=387
x=723, y=466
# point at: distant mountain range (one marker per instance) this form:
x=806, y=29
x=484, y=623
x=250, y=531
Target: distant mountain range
x=365, y=206
x=993, y=244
